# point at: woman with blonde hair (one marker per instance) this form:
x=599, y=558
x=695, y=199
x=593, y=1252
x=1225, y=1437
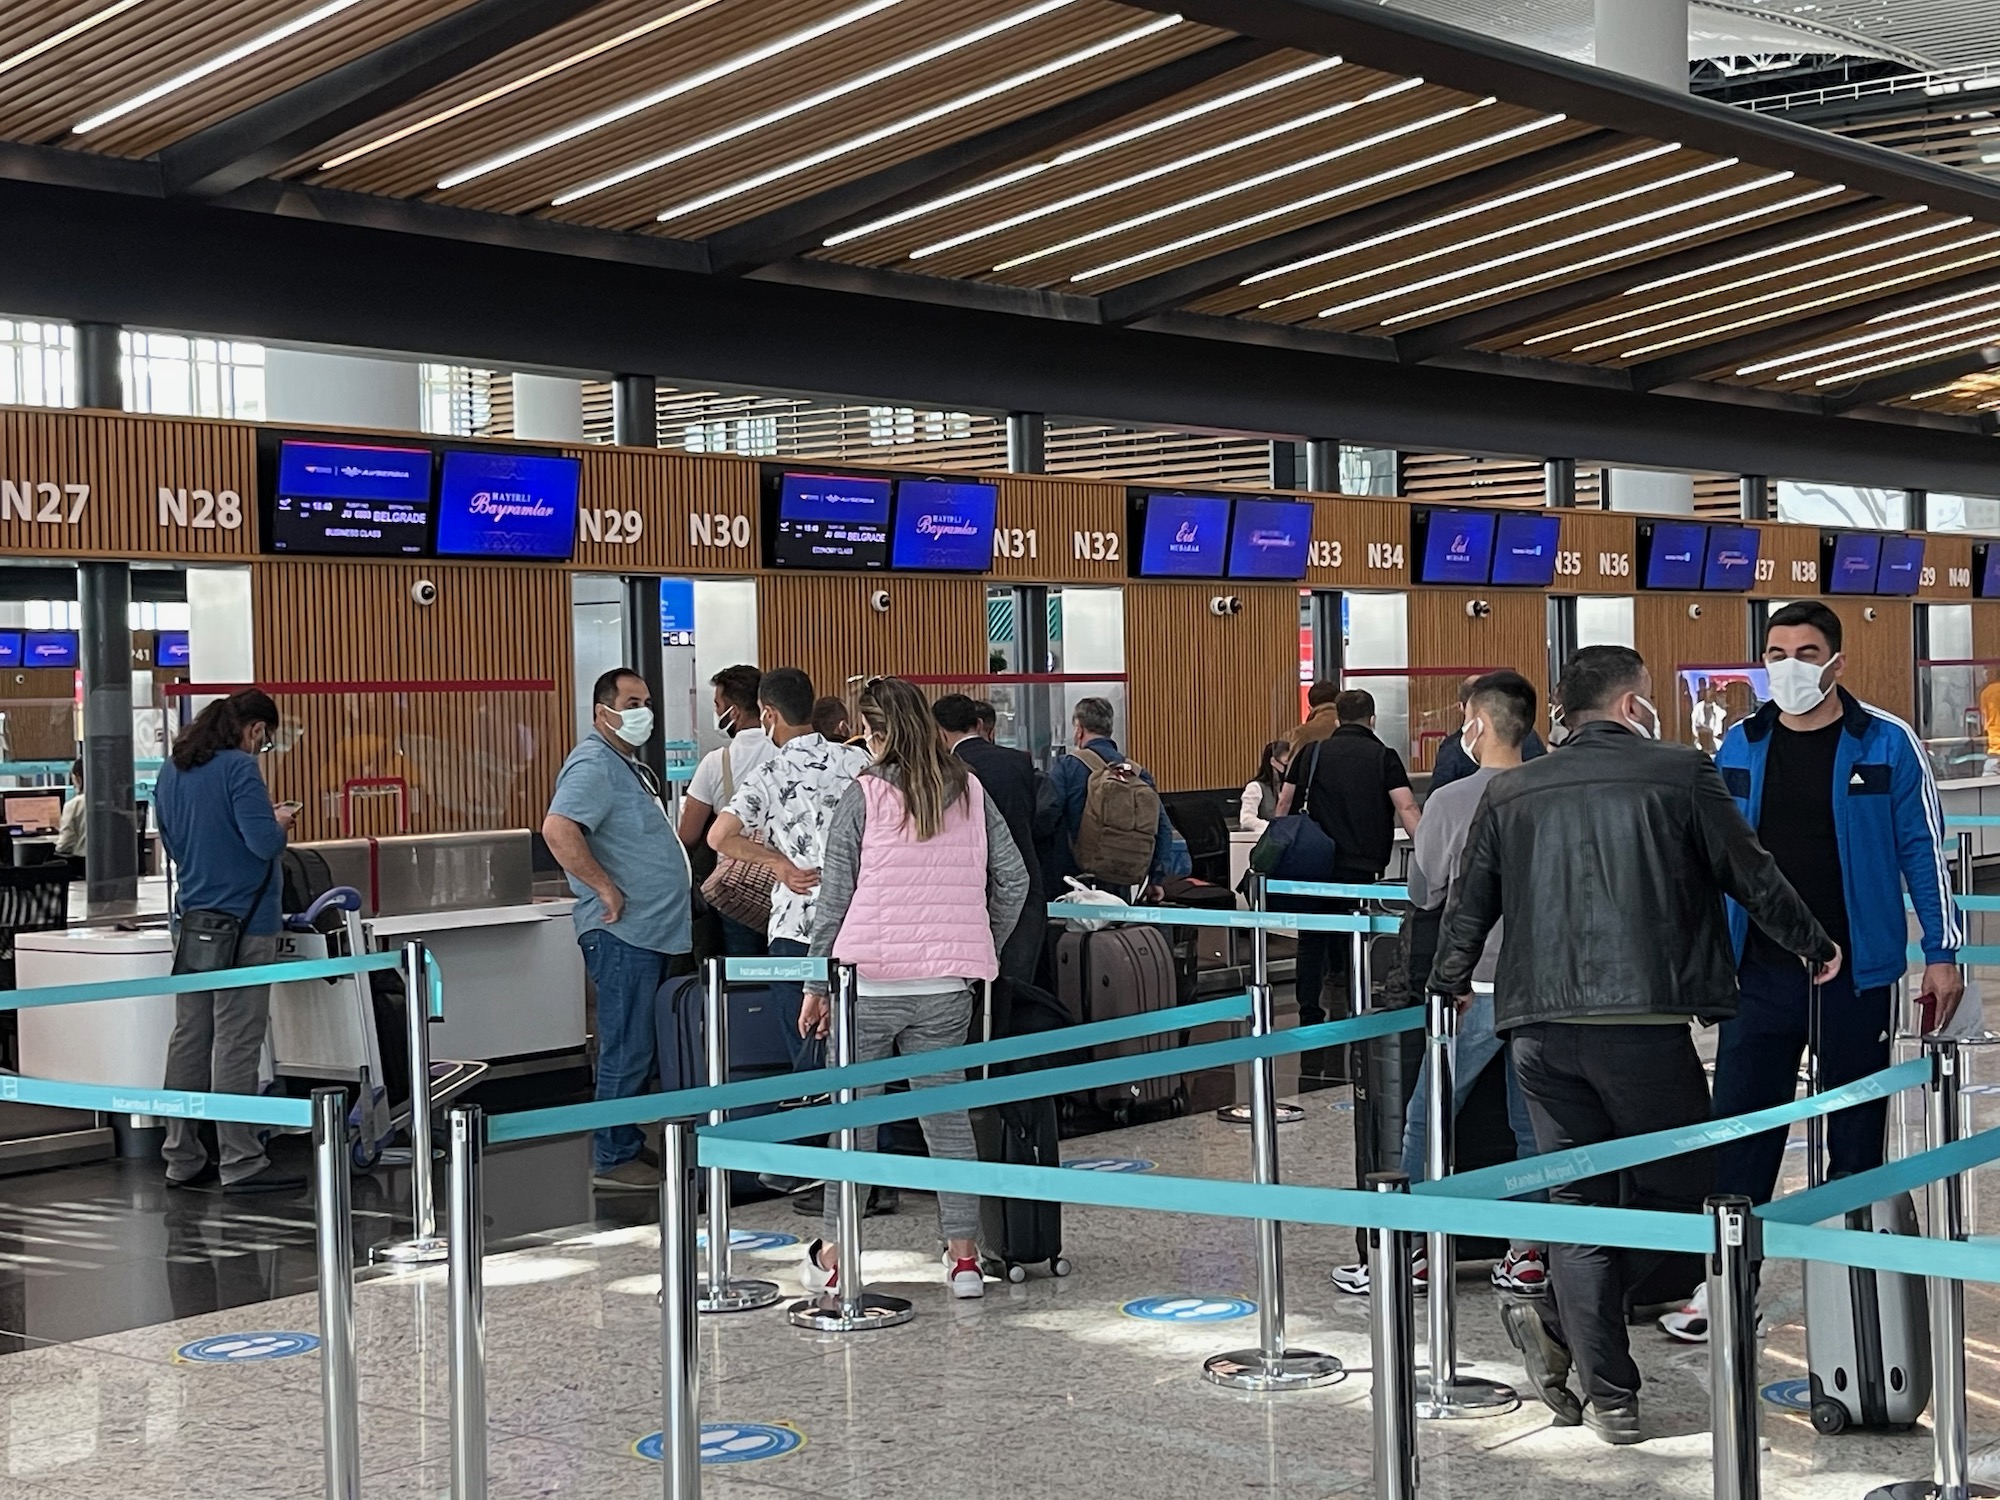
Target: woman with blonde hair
x=921, y=885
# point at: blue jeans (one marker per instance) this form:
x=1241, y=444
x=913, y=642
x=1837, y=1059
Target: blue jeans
x=1757, y=1066
x=739, y=941
x=1478, y=1044
x=790, y=997
x=627, y=978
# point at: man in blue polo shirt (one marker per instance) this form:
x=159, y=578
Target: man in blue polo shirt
x=608, y=828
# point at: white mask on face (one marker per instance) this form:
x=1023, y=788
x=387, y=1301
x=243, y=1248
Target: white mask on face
x=726, y=721
x=1646, y=731
x=1797, y=686
x=1468, y=737
x=635, y=725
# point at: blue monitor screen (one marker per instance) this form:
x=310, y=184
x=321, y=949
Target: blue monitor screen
x=498, y=504
x=1851, y=562
x=832, y=521
x=1457, y=547
x=1676, y=557
x=1185, y=536
x=335, y=498
x=1269, y=539
x=677, y=611
x=1902, y=565
x=944, y=526
x=170, y=648
x=10, y=648
x=49, y=648
x=1732, y=557
x=1988, y=580
x=1524, y=549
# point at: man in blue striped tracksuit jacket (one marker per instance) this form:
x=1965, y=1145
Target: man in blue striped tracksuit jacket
x=1842, y=795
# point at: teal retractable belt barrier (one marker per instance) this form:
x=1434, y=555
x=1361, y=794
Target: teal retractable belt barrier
x=1244, y=921
x=1845, y=1194
x=246, y=1109
x=1972, y=820
x=1971, y=953
x=1913, y=1255
x=1514, y=1178
x=186, y=984
x=1337, y=890
x=753, y=969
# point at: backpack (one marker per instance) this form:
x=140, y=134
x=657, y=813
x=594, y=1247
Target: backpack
x=1121, y=821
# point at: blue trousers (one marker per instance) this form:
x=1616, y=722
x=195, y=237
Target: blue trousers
x=1478, y=1044
x=790, y=998
x=1757, y=1066
x=627, y=978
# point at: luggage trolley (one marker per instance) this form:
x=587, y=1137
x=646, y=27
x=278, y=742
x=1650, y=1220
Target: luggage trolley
x=325, y=1028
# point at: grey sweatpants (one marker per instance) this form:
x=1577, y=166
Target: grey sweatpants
x=908, y=1025
x=217, y=1037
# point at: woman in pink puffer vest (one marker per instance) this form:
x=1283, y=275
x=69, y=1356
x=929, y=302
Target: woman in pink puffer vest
x=920, y=886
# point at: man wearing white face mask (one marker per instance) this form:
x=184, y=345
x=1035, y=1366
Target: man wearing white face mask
x=608, y=828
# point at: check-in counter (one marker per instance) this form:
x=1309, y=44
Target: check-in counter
x=1971, y=796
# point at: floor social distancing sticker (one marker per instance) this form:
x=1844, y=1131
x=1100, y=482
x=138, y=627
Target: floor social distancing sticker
x=733, y=1442
x=245, y=1348
x=1184, y=1309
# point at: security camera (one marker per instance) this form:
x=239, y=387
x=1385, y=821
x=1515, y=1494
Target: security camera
x=879, y=601
x=1694, y=611
x=1225, y=604
x=1477, y=609
x=1868, y=614
x=424, y=592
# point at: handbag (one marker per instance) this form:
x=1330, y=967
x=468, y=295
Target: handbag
x=209, y=940
x=1295, y=847
x=741, y=891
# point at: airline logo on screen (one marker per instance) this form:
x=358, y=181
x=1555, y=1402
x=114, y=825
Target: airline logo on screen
x=1678, y=555
x=501, y=505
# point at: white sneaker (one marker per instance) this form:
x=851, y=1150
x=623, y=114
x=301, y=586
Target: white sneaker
x=1353, y=1280
x=1690, y=1324
x=964, y=1277
x=818, y=1278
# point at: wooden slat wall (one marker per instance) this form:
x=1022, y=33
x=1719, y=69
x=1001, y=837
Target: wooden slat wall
x=1880, y=652
x=474, y=759
x=1057, y=511
x=1669, y=638
x=1206, y=692
x=823, y=624
x=1441, y=634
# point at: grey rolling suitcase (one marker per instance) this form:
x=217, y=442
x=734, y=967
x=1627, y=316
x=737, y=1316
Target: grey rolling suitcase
x=1868, y=1344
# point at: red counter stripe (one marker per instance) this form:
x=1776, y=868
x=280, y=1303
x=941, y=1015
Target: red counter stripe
x=329, y=689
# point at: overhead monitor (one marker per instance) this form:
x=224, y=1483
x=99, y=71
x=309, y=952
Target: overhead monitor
x=677, y=611
x=1731, y=559
x=1269, y=539
x=1183, y=536
x=1849, y=561
x=944, y=525
x=170, y=649
x=833, y=521
x=1672, y=555
x=493, y=503
x=340, y=499
x=1524, y=549
x=1902, y=568
x=1452, y=546
x=10, y=648
x=33, y=812
x=49, y=648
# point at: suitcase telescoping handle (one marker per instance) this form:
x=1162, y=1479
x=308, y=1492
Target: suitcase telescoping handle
x=1816, y=1126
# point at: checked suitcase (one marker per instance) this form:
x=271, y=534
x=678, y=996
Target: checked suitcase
x=756, y=1048
x=1015, y=1233
x=1122, y=971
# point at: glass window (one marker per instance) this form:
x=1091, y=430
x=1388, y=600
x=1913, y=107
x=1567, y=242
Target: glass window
x=37, y=363
x=1975, y=513
x=1367, y=471
x=174, y=375
x=1841, y=505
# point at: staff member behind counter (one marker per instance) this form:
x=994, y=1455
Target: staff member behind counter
x=224, y=836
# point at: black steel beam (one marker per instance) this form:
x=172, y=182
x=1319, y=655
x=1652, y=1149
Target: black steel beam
x=1183, y=284
x=1482, y=323
x=1399, y=42
x=800, y=225
x=1914, y=378
x=258, y=140
x=1671, y=369
x=346, y=286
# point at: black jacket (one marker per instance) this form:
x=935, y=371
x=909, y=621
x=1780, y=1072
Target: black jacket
x=1609, y=860
x=1008, y=777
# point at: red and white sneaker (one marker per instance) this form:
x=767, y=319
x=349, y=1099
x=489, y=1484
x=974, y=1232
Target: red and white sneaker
x=1525, y=1273
x=964, y=1277
x=818, y=1278
x=1690, y=1324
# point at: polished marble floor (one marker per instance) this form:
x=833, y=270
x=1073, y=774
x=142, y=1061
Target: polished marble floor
x=1046, y=1389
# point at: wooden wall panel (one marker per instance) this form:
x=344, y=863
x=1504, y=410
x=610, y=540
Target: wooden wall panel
x=1986, y=629
x=1206, y=692
x=473, y=758
x=1947, y=575
x=1595, y=553
x=1359, y=544
x=823, y=624
x=694, y=514
x=1787, y=561
x=1059, y=531
x=1881, y=656
x=1443, y=635
x=1670, y=639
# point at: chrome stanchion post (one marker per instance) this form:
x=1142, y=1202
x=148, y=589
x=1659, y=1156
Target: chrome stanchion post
x=1732, y=1347
x=720, y=1291
x=1946, y=1201
x=848, y=1307
x=1270, y=1366
x=1447, y=1395
x=333, y=1235
x=680, y=1347
x=465, y=1276
x=1392, y=1344
x=425, y=1244
x=1260, y=974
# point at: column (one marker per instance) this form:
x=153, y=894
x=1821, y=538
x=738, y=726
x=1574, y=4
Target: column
x=1647, y=40
x=635, y=411
x=343, y=390
x=1755, y=491
x=548, y=409
x=100, y=380
x=646, y=655
x=111, y=820
x=1284, y=464
x=1024, y=442
x=1323, y=466
x=1559, y=483
x=1919, y=517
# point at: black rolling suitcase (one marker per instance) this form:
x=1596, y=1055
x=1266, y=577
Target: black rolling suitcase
x=756, y=1049
x=1016, y=1233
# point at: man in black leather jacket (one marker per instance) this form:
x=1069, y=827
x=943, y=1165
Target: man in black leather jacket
x=1609, y=861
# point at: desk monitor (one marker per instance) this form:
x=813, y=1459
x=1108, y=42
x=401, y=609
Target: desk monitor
x=1732, y=557
x=1902, y=565
x=1269, y=539
x=35, y=812
x=1524, y=549
x=833, y=521
x=1849, y=561
x=1672, y=555
x=1452, y=546
x=334, y=499
x=1182, y=536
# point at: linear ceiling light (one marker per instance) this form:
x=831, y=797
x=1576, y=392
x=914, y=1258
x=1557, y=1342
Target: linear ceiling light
x=1887, y=337
x=1660, y=242
x=1868, y=338
x=922, y=117
x=1503, y=232
x=514, y=86
x=1084, y=152
x=1346, y=189
x=724, y=69
x=1519, y=196
x=215, y=64
x=1917, y=307
x=1162, y=169
x=1704, y=292
x=1986, y=334
x=69, y=33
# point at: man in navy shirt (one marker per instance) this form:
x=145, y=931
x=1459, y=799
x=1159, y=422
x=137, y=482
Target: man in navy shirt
x=1091, y=726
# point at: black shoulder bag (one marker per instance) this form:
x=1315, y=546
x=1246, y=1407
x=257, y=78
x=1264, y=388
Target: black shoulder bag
x=209, y=939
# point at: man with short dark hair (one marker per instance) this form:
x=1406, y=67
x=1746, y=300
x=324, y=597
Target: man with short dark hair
x=1008, y=777
x=1841, y=794
x=1091, y=724
x=716, y=778
x=607, y=826
x=1452, y=763
x=987, y=727
x=829, y=719
x=1609, y=863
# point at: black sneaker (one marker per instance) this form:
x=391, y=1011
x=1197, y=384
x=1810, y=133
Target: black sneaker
x=1547, y=1362
x=811, y=1204
x=1617, y=1425
x=273, y=1179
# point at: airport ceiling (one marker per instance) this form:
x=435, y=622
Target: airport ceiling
x=1441, y=220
